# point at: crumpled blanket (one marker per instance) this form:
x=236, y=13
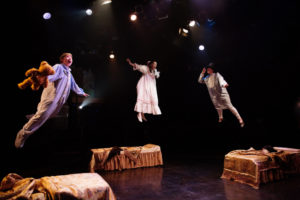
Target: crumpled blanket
x=84, y=186
x=279, y=158
x=254, y=167
x=115, y=151
x=13, y=186
x=108, y=159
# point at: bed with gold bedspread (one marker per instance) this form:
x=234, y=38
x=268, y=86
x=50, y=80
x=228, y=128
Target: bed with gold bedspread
x=254, y=167
x=119, y=158
x=87, y=186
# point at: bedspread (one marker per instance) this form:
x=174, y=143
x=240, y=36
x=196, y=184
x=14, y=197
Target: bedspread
x=254, y=167
x=126, y=158
x=87, y=186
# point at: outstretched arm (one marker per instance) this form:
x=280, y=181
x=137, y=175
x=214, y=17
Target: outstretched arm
x=201, y=77
x=129, y=62
x=76, y=88
x=142, y=68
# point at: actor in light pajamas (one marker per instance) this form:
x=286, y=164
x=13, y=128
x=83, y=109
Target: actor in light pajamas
x=216, y=86
x=147, y=99
x=53, y=97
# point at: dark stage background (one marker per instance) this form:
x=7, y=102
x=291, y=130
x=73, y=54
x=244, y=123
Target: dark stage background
x=254, y=43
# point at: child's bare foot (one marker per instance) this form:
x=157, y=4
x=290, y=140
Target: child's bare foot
x=139, y=116
x=242, y=123
x=220, y=120
x=143, y=117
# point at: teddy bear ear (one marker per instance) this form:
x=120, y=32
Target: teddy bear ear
x=30, y=71
x=43, y=63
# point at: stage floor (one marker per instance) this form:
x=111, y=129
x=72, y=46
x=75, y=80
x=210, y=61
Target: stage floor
x=183, y=176
x=193, y=178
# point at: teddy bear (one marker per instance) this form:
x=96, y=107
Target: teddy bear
x=37, y=77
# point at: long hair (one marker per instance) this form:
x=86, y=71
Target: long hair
x=149, y=64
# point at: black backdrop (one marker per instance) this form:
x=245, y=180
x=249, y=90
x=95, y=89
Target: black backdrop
x=254, y=44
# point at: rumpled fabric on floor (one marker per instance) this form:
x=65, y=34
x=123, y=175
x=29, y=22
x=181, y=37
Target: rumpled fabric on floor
x=119, y=158
x=14, y=186
x=254, y=167
x=87, y=186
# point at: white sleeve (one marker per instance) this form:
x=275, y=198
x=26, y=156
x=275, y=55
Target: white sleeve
x=221, y=80
x=142, y=68
x=156, y=73
x=201, y=78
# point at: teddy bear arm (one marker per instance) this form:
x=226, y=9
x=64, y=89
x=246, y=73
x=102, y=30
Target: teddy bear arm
x=27, y=82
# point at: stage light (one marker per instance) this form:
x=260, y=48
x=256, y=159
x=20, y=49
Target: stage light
x=106, y=2
x=47, y=15
x=89, y=12
x=111, y=55
x=192, y=23
x=133, y=17
x=201, y=47
x=183, y=31
x=85, y=102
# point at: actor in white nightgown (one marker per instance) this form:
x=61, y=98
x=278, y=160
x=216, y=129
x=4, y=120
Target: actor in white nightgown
x=54, y=96
x=147, y=100
x=216, y=86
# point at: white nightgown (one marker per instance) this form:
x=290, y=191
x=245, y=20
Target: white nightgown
x=147, y=99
